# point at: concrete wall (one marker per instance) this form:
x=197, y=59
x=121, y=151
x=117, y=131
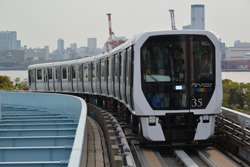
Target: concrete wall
x=71, y=105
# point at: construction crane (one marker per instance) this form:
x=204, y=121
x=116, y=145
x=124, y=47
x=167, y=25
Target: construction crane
x=113, y=41
x=172, y=19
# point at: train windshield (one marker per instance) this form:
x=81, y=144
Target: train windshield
x=178, y=71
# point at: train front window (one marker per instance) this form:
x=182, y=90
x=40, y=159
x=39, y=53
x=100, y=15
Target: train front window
x=202, y=73
x=167, y=68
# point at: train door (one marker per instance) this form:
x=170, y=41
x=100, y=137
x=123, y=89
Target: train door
x=50, y=78
x=103, y=88
x=80, y=78
x=98, y=76
x=89, y=84
x=70, y=80
x=74, y=78
x=53, y=78
x=64, y=78
x=57, y=83
x=39, y=79
x=86, y=83
x=93, y=74
x=47, y=71
x=45, y=79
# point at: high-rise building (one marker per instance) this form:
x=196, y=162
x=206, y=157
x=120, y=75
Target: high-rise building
x=198, y=17
x=60, y=45
x=8, y=40
x=92, y=43
x=186, y=27
x=73, y=46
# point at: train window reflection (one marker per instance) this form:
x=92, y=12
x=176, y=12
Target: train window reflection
x=39, y=74
x=74, y=72
x=202, y=59
x=50, y=73
x=64, y=73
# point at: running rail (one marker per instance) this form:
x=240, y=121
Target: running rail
x=72, y=106
x=235, y=124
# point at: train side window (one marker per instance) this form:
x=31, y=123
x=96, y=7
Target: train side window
x=102, y=68
x=97, y=69
x=129, y=76
x=39, y=74
x=50, y=73
x=124, y=63
x=112, y=74
x=116, y=67
x=30, y=76
x=56, y=72
x=64, y=70
x=89, y=72
x=119, y=74
x=108, y=59
x=132, y=77
x=80, y=72
x=74, y=72
x=85, y=71
x=93, y=70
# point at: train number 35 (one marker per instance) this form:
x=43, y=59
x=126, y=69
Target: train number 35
x=196, y=102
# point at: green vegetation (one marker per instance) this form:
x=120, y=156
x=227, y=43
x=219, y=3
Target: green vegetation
x=20, y=85
x=7, y=84
x=236, y=96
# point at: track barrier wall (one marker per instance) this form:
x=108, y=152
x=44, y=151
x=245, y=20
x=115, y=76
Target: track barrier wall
x=117, y=145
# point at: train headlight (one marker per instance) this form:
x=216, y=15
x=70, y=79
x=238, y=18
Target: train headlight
x=205, y=118
x=151, y=120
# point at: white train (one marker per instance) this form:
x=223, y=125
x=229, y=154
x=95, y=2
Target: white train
x=170, y=81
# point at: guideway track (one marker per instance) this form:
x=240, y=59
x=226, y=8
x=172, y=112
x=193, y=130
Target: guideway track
x=187, y=156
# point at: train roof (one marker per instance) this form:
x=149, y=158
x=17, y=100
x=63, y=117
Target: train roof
x=144, y=35
x=87, y=59
x=40, y=65
x=70, y=62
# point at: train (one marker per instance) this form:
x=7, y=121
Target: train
x=167, y=83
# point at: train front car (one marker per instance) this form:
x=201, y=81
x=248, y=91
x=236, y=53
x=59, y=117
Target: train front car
x=180, y=89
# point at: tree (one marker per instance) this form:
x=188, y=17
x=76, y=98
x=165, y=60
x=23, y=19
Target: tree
x=236, y=95
x=20, y=85
x=6, y=83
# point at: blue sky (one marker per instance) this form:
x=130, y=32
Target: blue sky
x=43, y=22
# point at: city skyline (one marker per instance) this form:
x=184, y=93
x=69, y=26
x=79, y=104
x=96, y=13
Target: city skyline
x=40, y=23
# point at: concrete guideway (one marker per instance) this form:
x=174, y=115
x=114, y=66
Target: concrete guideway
x=39, y=129
x=97, y=149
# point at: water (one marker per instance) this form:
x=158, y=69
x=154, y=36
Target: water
x=234, y=76
x=237, y=76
